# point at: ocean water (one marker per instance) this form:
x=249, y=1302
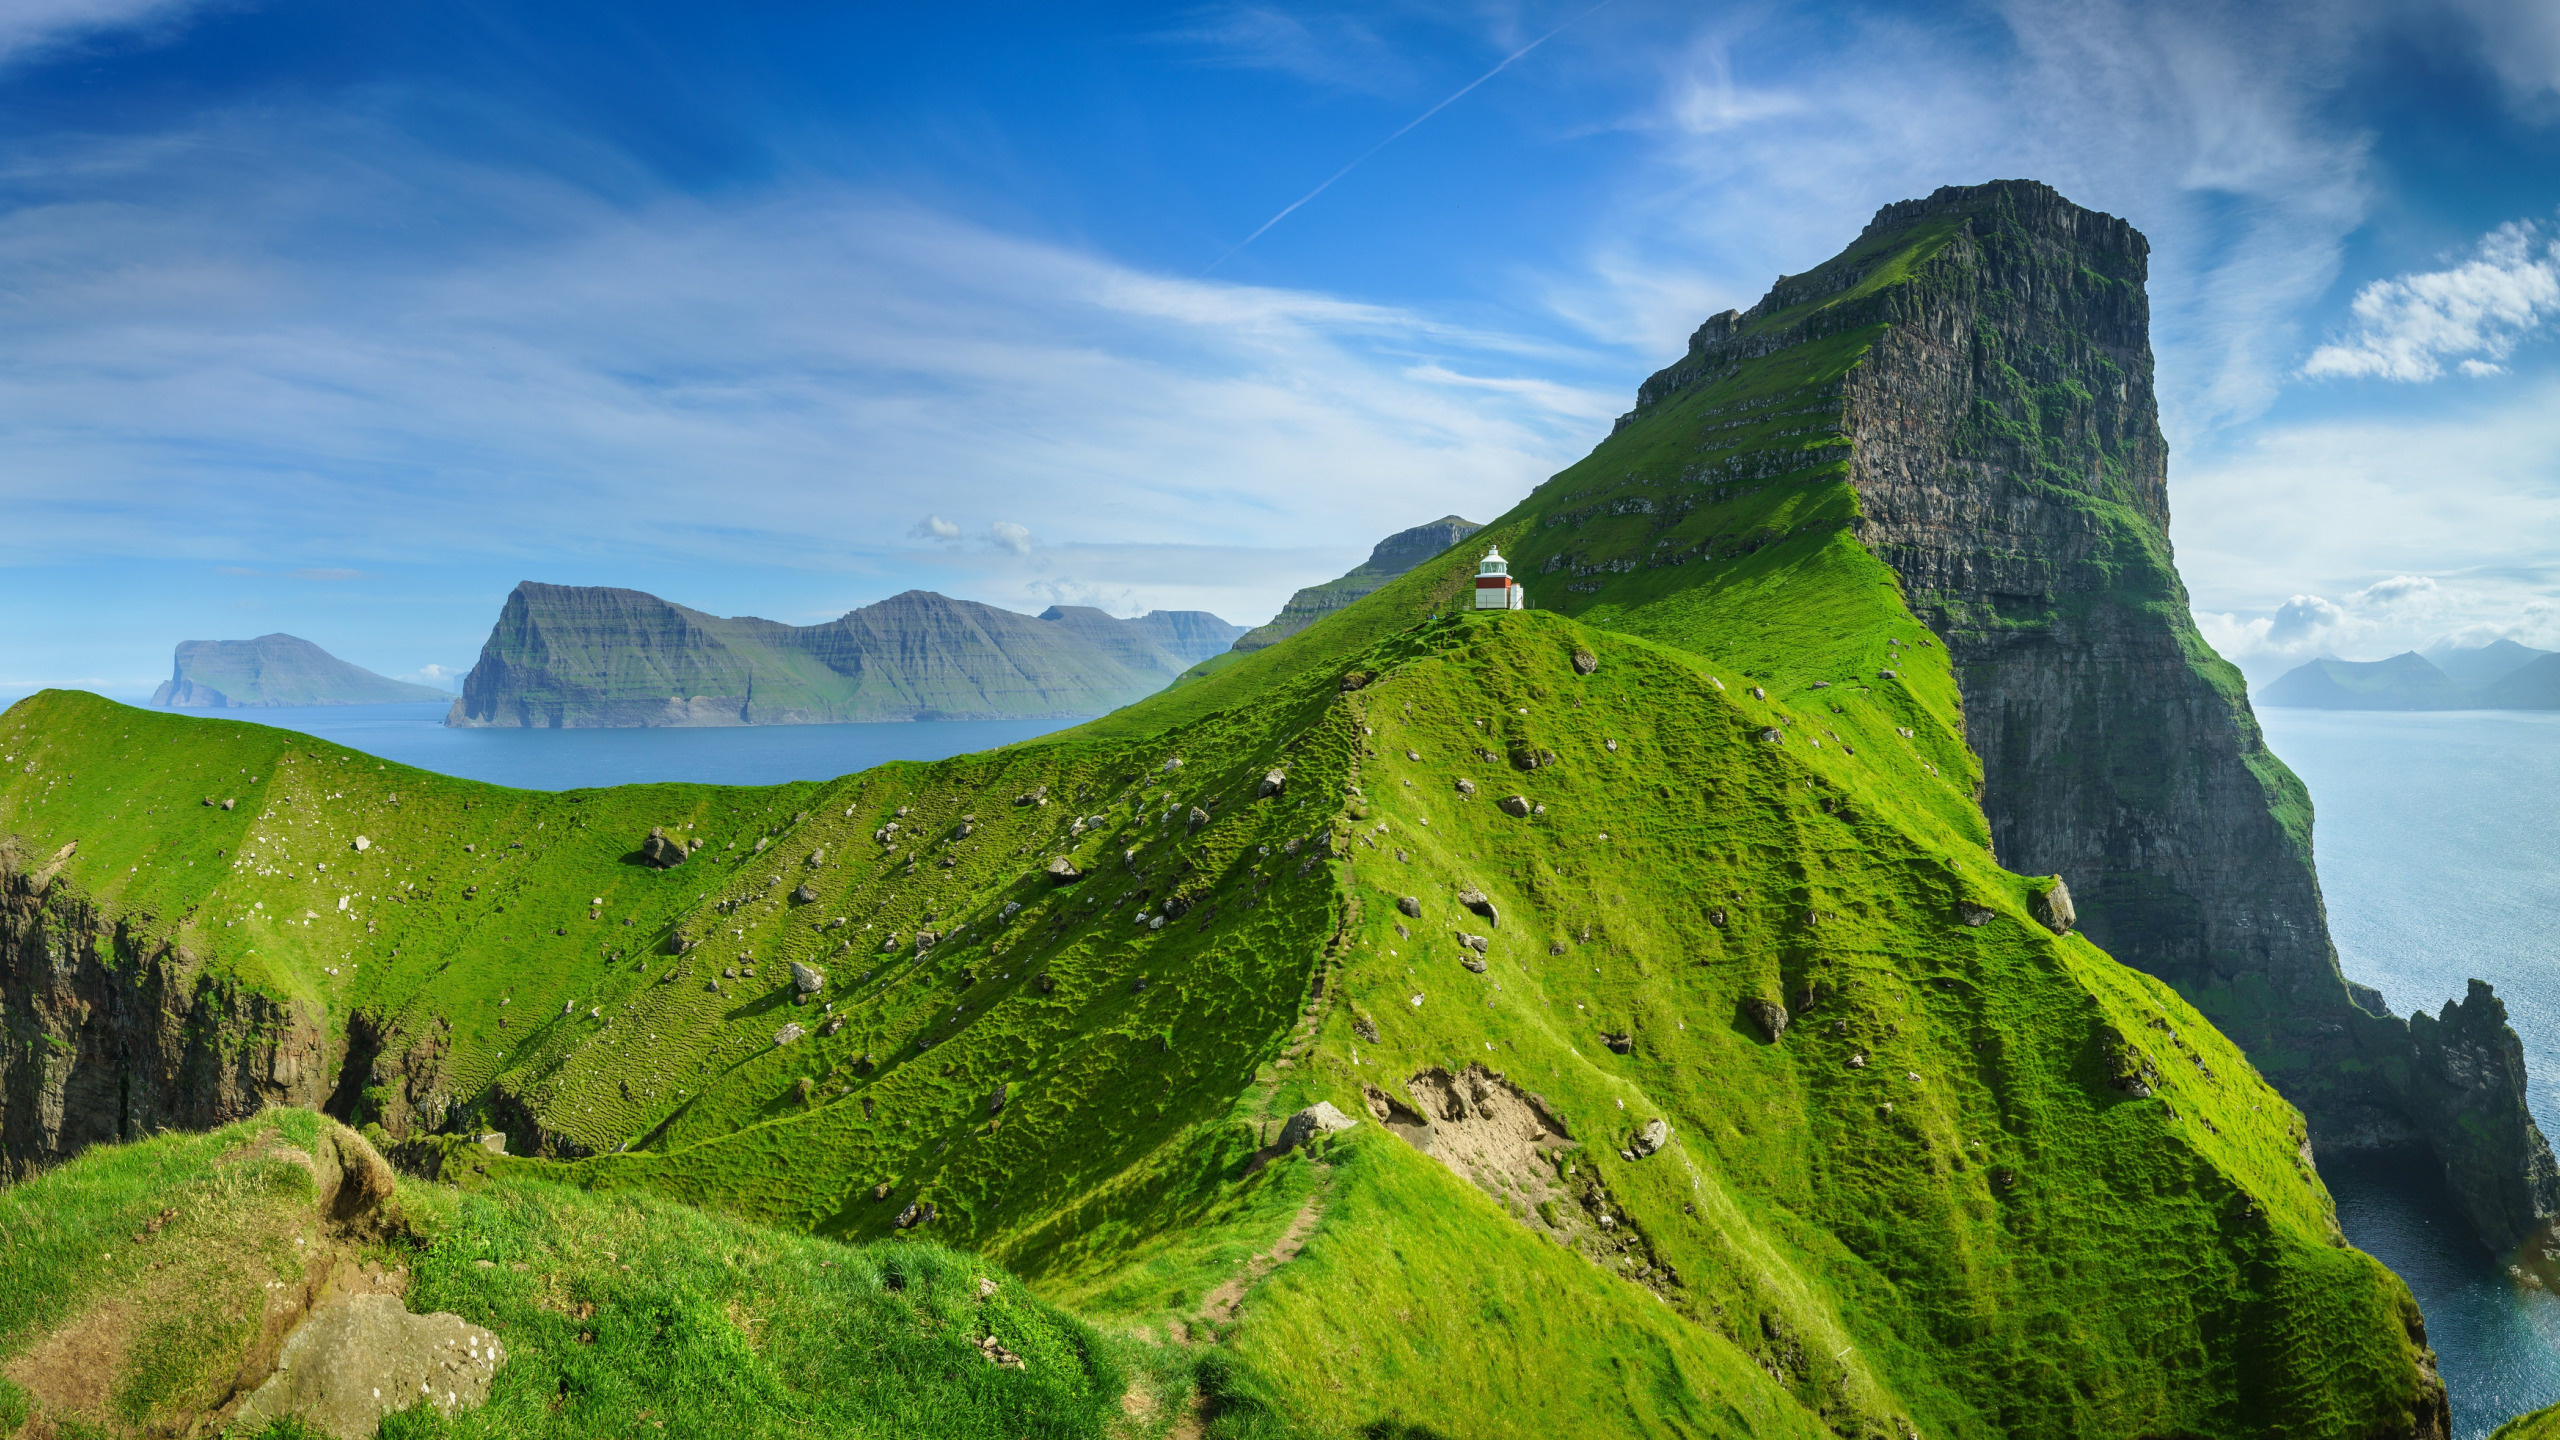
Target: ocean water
x=576, y=759
x=2434, y=841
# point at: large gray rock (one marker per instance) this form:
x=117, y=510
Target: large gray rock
x=2053, y=908
x=1651, y=1138
x=360, y=1357
x=1316, y=1120
x=660, y=851
x=1063, y=871
x=807, y=979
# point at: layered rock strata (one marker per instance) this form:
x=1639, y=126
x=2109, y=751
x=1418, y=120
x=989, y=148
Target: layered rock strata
x=111, y=1035
x=567, y=657
x=2001, y=432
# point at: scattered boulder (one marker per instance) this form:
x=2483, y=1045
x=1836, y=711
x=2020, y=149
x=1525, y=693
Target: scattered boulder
x=1650, y=1139
x=1584, y=662
x=1769, y=1015
x=804, y=895
x=1516, y=806
x=1173, y=764
x=660, y=851
x=1887, y=675
x=1036, y=795
x=1477, y=943
x=1365, y=1028
x=995, y=1101
x=1193, y=821
x=1819, y=685
x=1357, y=679
x=917, y=1213
x=1773, y=736
x=808, y=980
x=1474, y=899
x=362, y=1184
x=1273, y=782
x=1716, y=916
x=1048, y=984
x=880, y=1191
x=1472, y=962
x=1466, y=787
x=2053, y=908
x=1620, y=1042
x=360, y=1357
x=362, y=844
x=1314, y=1122
x=788, y=1033
x=802, y=1089
x=229, y=804
x=1973, y=915
x=1063, y=871
x=1410, y=906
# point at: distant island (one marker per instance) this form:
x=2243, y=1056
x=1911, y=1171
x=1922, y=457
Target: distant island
x=1393, y=556
x=2502, y=675
x=275, y=670
x=571, y=657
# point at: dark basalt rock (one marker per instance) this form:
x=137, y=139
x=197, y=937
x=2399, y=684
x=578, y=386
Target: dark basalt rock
x=2004, y=439
x=660, y=851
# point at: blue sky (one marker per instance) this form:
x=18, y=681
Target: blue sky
x=340, y=320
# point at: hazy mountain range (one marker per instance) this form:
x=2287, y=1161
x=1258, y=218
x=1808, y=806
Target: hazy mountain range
x=2502, y=675
x=275, y=670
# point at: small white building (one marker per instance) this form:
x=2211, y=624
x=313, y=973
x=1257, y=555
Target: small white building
x=1495, y=589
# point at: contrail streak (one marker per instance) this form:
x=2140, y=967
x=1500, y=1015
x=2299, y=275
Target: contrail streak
x=1406, y=129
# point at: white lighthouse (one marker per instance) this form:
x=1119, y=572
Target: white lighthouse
x=1495, y=589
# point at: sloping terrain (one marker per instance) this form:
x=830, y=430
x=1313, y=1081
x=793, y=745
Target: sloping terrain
x=2407, y=681
x=563, y=656
x=153, y=1285
x=1706, y=1072
x=1388, y=559
x=275, y=670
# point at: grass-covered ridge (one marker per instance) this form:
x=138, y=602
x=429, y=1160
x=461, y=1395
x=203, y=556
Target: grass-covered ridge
x=1986, y=1182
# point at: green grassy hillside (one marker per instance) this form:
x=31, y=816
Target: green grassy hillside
x=146, y=1284
x=1986, y=1181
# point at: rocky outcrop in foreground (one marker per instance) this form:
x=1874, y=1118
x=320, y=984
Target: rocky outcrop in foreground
x=111, y=1035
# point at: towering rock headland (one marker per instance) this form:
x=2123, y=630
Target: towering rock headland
x=1998, y=424
x=1390, y=558
x=564, y=656
x=276, y=670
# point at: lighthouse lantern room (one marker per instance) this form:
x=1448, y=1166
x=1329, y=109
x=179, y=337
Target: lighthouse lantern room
x=1495, y=589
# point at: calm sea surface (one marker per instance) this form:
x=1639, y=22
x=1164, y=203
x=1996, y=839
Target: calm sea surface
x=576, y=759
x=2435, y=853
x=2434, y=838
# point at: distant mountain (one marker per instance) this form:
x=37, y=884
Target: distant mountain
x=2404, y=682
x=2499, y=676
x=2534, y=685
x=566, y=657
x=276, y=670
x=2483, y=664
x=1393, y=556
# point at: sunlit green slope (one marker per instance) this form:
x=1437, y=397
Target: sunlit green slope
x=1986, y=1182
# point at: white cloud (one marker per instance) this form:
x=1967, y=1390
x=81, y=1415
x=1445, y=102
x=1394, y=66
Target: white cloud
x=2407, y=327
x=205, y=362
x=934, y=527
x=32, y=26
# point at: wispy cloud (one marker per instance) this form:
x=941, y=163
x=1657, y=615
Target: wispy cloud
x=2473, y=314
x=761, y=383
x=31, y=26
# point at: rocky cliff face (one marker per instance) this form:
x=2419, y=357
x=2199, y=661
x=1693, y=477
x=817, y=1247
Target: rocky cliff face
x=1998, y=424
x=109, y=1037
x=1390, y=558
x=578, y=656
